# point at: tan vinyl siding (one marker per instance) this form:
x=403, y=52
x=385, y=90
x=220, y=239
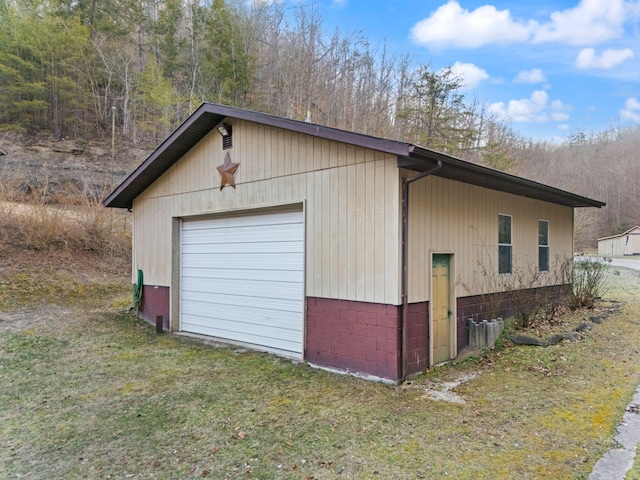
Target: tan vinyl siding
x=452, y=217
x=351, y=197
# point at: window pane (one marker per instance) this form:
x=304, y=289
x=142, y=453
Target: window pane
x=543, y=232
x=504, y=229
x=543, y=259
x=504, y=260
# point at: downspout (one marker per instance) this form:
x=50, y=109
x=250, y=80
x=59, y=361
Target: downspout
x=405, y=259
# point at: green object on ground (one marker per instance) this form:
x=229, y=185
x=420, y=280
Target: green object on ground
x=137, y=291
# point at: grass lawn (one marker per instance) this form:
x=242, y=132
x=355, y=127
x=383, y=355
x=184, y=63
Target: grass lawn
x=89, y=391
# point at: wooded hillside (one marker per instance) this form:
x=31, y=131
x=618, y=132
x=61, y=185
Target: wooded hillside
x=131, y=71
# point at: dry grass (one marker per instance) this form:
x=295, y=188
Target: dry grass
x=634, y=473
x=100, y=395
x=37, y=215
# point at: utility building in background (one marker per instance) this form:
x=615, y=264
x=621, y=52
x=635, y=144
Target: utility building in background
x=627, y=243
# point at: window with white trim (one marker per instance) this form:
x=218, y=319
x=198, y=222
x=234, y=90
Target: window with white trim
x=543, y=245
x=505, y=245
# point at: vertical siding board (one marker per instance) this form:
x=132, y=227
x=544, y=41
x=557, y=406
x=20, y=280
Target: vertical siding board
x=295, y=154
x=278, y=150
x=370, y=231
x=418, y=243
x=326, y=154
x=334, y=232
x=333, y=154
x=311, y=235
x=380, y=226
x=258, y=153
x=456, y=219
x=267, y=152
x=392, y=234
x=359, y=244
x=318, y=253
x=351, y=237
x=286, y=153
x=296, y=181
x=341, y=154
x=350, y=155
x=441, y=224
x=287, y=190
x=342, y=209
x=465, y=242
x=317, y=154
x=412, y=244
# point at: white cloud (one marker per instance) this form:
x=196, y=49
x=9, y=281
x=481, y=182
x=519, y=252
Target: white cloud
x=451, y=25
x=590, y=22
x=536, y=108
x=610, y=58
x=631, y=110
x=470, y=74
x=531, y=76
x=562, y=127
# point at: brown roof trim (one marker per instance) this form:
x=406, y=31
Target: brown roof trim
x=208, y=115
x=467, y=172
x=628, y=232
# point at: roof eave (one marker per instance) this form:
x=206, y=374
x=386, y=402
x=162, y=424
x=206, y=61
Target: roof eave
x=466, y=172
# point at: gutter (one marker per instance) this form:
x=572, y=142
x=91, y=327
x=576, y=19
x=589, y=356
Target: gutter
x=405, y=259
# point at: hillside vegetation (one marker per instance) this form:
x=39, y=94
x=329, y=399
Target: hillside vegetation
x=125, y=74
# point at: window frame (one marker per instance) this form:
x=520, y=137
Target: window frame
x=504, y=247
x=543, y=247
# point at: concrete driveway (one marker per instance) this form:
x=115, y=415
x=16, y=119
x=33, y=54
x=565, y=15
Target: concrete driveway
x=624, y=262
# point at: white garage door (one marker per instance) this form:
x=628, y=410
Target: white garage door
x=242, y=279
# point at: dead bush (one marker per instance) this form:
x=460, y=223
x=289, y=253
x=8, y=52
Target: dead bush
x=590, y=283
x=37, y=215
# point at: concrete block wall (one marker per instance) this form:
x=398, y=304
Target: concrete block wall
x=357, y=337
x=417, y=337
x=155, y=302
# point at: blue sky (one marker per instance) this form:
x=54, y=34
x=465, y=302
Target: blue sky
x=551, y=67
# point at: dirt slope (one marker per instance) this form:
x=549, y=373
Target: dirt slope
x=38, y=159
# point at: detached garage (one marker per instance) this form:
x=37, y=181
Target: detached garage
x=347, y=251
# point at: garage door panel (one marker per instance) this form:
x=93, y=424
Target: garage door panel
x=220, y=303
x=273, y=218
x=282, y=342
x=243, y=288
x=237, y=318
x=275, y=261
x=242, y=279
x=255, y=248
x=250, y=274
x=286, y=232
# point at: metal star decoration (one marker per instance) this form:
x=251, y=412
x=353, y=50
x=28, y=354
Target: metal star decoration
x=227, y=172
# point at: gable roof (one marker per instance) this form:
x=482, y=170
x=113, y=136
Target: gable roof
x=635, y=230
x=411, y=157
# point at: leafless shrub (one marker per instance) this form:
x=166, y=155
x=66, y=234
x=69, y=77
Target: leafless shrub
x=533, y=295
x=37, y=215
x=589, y=283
